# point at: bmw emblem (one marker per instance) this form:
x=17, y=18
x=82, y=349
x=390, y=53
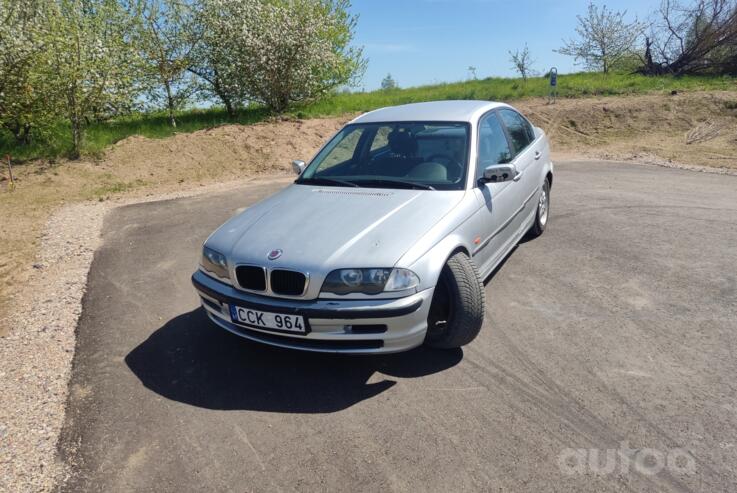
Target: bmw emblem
x=275, y=254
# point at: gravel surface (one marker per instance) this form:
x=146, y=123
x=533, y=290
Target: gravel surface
x=35, y=357
x=36, y=354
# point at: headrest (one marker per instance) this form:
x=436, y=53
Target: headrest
x=429, y=171
x=401, y=141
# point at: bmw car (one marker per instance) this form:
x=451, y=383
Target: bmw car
x=383, y=241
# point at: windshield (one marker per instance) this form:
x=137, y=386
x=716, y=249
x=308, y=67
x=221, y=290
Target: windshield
x=423, y=155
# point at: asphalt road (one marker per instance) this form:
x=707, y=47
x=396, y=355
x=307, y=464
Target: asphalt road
x=614, y=331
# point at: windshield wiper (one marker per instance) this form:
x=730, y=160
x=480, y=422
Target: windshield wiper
x=395, y=183
x=331, y=182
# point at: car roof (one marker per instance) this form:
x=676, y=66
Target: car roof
x=443, y=111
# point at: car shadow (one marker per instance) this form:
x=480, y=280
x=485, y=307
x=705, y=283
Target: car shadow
x=193, y=361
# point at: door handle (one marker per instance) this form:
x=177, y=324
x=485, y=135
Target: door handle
x=538, y=154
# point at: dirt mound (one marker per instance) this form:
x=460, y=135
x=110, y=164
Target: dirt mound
x=697, y=128
x=226, y=152
x=689, y=128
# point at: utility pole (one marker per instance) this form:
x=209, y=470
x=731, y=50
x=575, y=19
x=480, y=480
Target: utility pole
x=11, y=187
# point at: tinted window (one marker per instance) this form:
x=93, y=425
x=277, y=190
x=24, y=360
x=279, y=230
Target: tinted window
x=520, y=131
x=493, y=145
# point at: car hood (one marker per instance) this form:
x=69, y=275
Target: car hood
x=319, y=229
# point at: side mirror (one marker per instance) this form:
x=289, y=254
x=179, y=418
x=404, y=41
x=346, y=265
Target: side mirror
x=497, y=173
x=298, y=166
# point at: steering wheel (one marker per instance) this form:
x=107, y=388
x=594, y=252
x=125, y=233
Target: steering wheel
x=439, y=158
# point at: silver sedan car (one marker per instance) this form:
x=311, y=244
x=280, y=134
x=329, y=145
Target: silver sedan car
x=384, y=240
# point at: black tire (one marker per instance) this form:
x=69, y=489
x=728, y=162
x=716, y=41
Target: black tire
x=457, y=308
x=542, y=213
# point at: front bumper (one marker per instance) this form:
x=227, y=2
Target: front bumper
x=337, y=326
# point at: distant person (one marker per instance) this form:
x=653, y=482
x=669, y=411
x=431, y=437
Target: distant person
x=553, y=93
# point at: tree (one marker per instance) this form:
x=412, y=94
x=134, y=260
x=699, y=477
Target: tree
x=167, y=36
x=604, y=37
x=472, y=72
x=210, y=65
x=212, y=62
x=28, y=97
x=522, y=61
x=388, y=83
x=698, y=37
x=94, y=61
x=284, y=51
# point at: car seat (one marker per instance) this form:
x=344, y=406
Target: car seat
x=403, y=146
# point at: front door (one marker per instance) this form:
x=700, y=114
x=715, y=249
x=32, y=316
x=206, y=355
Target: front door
x=499, y=199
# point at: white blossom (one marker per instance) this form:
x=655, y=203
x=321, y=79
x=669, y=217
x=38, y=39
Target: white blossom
x=281, y=52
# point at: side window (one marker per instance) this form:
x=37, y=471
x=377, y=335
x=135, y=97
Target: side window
x=519, y=130
x=493, y=145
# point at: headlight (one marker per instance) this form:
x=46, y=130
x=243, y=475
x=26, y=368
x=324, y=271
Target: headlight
x=214, y=263
x=369, y=281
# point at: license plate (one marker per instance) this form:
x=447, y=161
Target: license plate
x=267, y=320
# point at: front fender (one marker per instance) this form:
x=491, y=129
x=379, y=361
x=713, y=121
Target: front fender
x=430, y=265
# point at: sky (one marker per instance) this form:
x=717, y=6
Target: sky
x=429, y=41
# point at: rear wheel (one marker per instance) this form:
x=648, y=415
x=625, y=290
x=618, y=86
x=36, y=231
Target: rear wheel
x=543, y=209
x=457, y=309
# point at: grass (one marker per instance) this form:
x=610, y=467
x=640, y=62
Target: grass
x=155, y=125
x=98, y=136
x=116, y=187
x=506, y=89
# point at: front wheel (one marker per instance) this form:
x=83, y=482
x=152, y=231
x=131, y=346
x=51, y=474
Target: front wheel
x=457, y=309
